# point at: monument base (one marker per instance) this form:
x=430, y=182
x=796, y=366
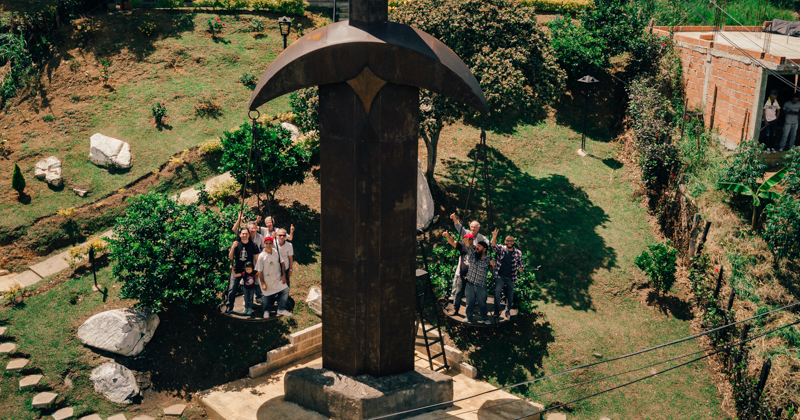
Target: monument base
x=345, y=397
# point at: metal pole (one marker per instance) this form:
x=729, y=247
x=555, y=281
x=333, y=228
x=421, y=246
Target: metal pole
x=333, y=17
x=284, y=41
x=583, y=135
x=91, y=261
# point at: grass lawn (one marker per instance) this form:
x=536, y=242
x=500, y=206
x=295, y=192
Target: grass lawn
x=179, y=65
x=579, y=218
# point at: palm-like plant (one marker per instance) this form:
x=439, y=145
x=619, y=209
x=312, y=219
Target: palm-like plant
x=758, y=192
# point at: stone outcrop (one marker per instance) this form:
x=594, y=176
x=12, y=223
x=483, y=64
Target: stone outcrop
x=49, y=170
x=121, y=331
x=109, y=152
x=292, y=129
x=115, y=382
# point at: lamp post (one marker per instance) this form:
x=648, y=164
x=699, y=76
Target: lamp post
x=284, y=23
x=587, y=80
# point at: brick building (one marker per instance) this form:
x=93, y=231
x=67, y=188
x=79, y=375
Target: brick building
x=723, y=81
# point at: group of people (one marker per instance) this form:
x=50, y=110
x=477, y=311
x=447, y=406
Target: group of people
x=473, y=269
x=772, y=111
x=262, y=257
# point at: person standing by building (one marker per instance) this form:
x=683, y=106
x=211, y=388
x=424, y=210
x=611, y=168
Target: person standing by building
x=792, y=110
x=508, y=262
x=772, y=111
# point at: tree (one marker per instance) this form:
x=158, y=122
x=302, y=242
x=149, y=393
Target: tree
x=275, y=161
x=508, y=53
x=167, y=253
x=761, y=192
x=744, y=173
x=18, y=181
x=618, y=23
x=578, y=51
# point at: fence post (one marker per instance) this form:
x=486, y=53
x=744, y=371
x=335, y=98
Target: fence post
x=740, y=353
x=693, y=238
x=730, y=300
x=703, y=237
x=762, y=381
x=719, y=282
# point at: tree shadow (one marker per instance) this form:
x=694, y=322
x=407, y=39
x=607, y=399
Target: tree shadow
x=669, y=304
x=605, y=107
x=549, y=216
x=196, y=349
x=510, y=353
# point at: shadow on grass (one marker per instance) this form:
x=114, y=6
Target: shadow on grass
x=680, y=309
x=549, y=216
x=196, y=349
x=511, y=353
x=605, y=105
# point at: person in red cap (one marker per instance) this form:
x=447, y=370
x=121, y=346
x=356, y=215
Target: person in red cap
x=273, y=281
x=461, y=270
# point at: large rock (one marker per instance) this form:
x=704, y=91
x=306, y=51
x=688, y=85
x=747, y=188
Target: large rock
x=109, y=152
x=425, y=207
x=292, y=129
x=314, y=300
x=115, y=382
x=49, y=170
x=121, y=331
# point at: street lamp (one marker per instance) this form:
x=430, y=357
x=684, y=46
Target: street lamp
x=284, y=23
x=587, y=80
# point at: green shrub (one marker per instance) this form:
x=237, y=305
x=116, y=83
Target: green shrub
x=159, y=110
x=275, y=161
x=168, y=253
x=791, y=182
x=48, y=118
x=214, y=26
x=616, y=22
x=17, y=180
x=577, y=51
x=248, y=79
x=291, y=7
x=659, y=164
x=170, y=4
x=782, y=228
x=650, y=112
x=305, y=106
x=658, y=262
x=256, y=25
x=559, y=6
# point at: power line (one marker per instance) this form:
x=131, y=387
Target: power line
x=743, y=51
x=726, y=346
x=636, y=353
x=654, y=374
x=761, y=47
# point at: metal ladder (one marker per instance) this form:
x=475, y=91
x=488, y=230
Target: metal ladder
x=428, y=313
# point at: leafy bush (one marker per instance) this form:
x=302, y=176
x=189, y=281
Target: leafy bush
x=214, y=26
x=658, y=262
x=13, y=51
x=81, y=252
x=48, y=118
x=207, y=106
x=782, y=228
x=17, y=180
x=170, y=4
x=305, y=106
x=659, y=164
x=224, y=192
x=234, y=4
x=248, y=79
x=577, y=51
x=147, y=29
x=168, y=253
x=275, y=161
x=650, y=112
x=618, y=23
x=791, y=182
x=559, y=6
x=291, y=7
x=256, y=25
x=159, y=110
x=210, y=146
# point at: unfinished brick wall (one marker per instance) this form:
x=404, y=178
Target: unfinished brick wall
x=722, y=83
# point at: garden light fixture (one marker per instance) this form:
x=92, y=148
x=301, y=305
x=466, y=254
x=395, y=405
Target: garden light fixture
x=587, y=80
x=284, y=23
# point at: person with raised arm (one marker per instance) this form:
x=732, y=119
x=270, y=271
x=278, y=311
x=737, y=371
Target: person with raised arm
x=479, y=264
x=508, y=262
x=241, y=252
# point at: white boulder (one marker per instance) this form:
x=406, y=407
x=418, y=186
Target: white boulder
x=121, y=331
x=425, y=207
x=115, y=382
x=109, y=152
x=293, y=129
x=314, y=300
x=49, y=170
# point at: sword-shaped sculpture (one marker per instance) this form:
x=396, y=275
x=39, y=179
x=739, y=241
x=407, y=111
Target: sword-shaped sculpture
x=369, y=72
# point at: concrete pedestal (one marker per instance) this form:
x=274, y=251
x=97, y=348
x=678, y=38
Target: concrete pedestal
x=355, y=398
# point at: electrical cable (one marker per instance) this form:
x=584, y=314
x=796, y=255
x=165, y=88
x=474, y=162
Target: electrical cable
x=636, y=353
x=760, y=47
x=725, y=347
x=719, y=350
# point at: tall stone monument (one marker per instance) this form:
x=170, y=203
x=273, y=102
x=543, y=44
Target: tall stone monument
x=369, y=72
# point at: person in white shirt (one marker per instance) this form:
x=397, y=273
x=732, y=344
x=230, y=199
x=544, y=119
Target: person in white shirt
x=792, y=110
x=273, y=282
x=772, y=111
x=286, y=249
